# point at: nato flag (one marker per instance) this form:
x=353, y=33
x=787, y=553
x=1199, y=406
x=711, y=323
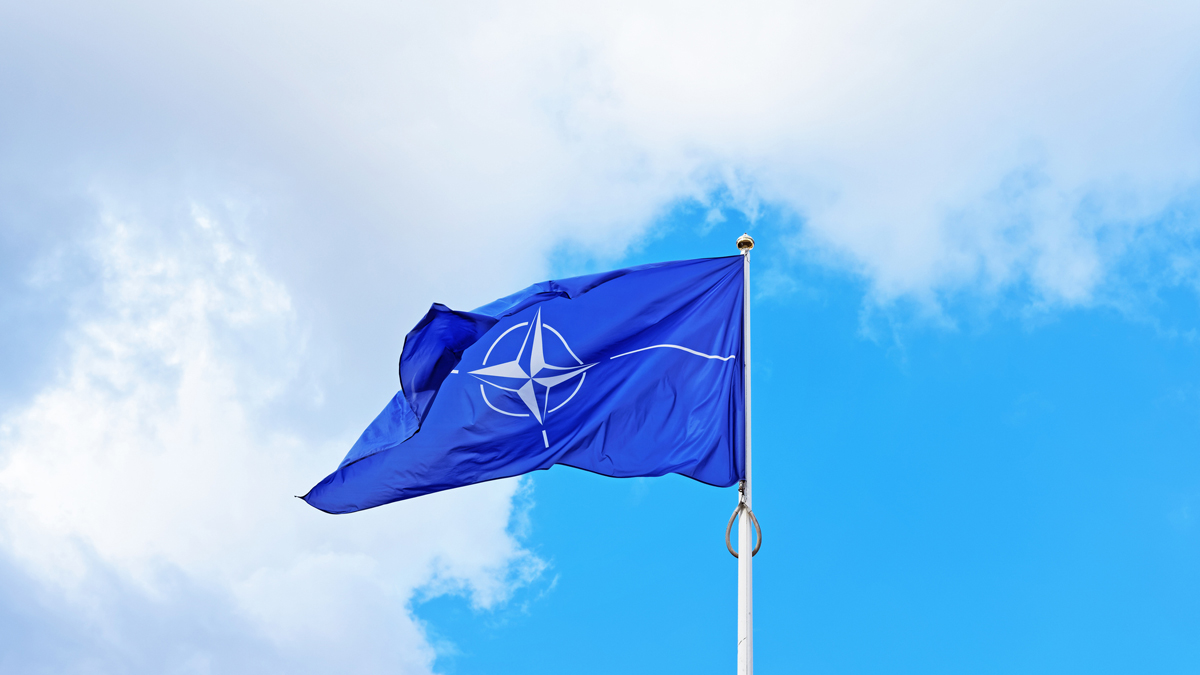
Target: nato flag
x=634, y=372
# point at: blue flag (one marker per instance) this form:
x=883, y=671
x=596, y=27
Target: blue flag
x=634, y=372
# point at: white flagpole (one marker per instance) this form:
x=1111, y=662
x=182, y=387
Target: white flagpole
x=745, y=533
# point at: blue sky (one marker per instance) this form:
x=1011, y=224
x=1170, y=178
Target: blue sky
x=1013, y=497
x=977, y=304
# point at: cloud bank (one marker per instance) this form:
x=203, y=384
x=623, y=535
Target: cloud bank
x=144, y=484
x=928, y=146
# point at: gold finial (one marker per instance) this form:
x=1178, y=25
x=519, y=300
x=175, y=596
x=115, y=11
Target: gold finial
x=745, y=243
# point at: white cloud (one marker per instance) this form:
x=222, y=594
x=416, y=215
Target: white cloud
x=149, y=457
x=932, y=147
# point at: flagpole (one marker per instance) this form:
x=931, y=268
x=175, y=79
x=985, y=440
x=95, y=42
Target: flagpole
x=745, y=532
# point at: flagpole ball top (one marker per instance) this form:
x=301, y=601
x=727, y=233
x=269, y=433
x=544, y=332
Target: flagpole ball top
x=745, y=243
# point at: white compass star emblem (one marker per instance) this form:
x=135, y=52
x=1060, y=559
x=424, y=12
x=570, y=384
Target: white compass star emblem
x=529, y=372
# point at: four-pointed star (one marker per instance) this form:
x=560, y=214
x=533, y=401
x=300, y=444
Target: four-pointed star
x=521, y=374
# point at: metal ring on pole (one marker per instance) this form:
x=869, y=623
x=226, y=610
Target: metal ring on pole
x=729, y=527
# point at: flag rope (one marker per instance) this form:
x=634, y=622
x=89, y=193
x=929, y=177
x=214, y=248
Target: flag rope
x=757, y=528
